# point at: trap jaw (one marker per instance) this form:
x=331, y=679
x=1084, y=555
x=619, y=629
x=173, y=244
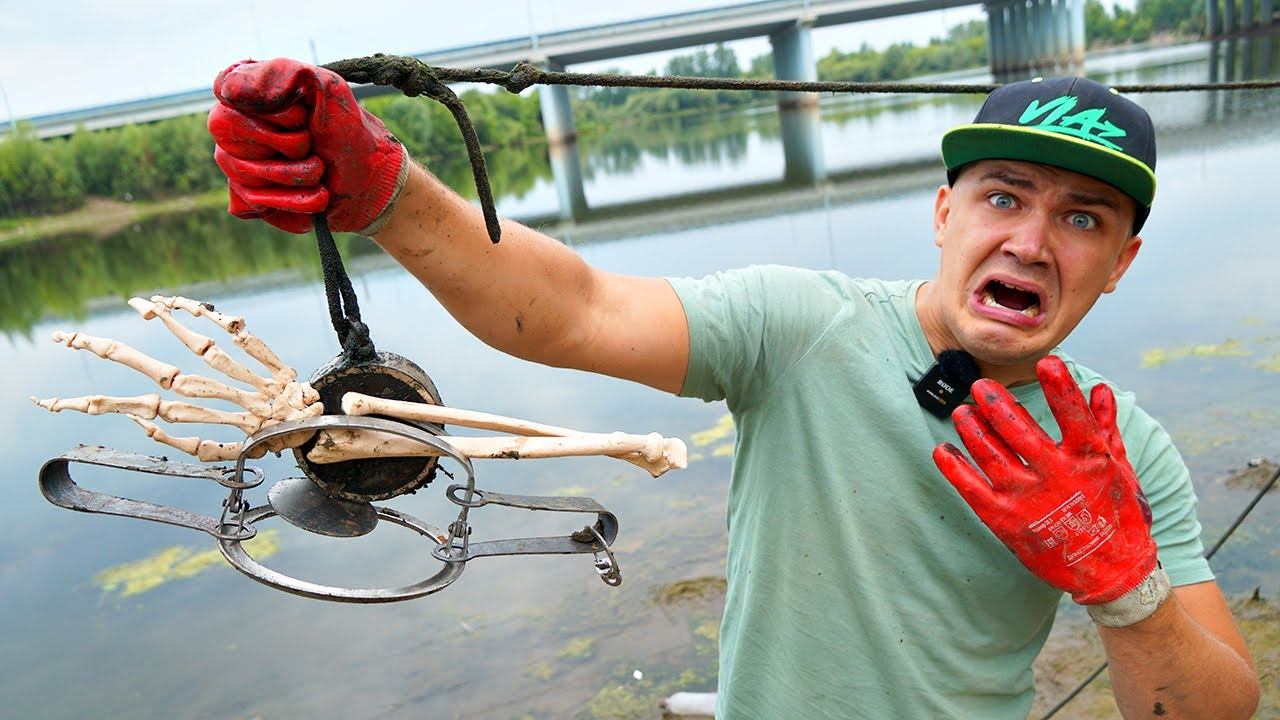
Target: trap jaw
x=336, y=499
x=324, y=505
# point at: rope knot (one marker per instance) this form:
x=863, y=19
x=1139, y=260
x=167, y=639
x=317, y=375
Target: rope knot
x=410, y=76
x=521, y=77
x=357, y=346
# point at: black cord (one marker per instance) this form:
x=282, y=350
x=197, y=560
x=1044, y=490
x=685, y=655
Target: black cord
x=344, y=310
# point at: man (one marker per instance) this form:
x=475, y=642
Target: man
x=862, y=582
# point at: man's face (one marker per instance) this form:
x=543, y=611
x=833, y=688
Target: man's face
x=1026, y=251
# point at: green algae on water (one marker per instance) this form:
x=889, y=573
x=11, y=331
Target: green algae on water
x=173, y=563
x=1161, y=356
x=721, y=430
x=690, y=589
x=579, y=648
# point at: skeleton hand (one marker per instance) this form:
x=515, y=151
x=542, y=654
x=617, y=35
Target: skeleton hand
x=274, y=399
x=281, y=397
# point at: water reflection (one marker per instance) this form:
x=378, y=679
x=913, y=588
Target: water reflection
x=543, y=637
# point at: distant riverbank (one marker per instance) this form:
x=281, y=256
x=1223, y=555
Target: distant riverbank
x=101, y=216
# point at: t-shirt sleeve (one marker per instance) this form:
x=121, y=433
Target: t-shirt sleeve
x=747, y=327
x=1167, y=484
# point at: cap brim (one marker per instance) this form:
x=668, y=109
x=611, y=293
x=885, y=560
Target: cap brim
x=987, y=141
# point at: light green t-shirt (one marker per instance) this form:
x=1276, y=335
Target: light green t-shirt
x=860, y=583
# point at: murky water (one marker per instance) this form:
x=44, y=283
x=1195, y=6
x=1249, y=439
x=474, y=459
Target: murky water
x=179, y=634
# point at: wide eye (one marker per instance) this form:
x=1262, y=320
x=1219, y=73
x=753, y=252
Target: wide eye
x=1083, y=221
x=1004, y=201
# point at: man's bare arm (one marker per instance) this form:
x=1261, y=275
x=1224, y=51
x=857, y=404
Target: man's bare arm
x=532, y=296
x=1187, y=660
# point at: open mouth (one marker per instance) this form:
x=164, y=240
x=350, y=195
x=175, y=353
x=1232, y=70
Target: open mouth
x=999, y=294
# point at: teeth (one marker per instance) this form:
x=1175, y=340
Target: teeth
x=990, y=301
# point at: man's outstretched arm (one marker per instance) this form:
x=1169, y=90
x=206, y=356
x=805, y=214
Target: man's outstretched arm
x=532, y=296
x=294, y=142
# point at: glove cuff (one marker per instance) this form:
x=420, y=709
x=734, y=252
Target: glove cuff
x=401, y=178
x=1136, y=605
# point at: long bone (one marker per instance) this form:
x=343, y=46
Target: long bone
x=341, y=445
x=671, y=454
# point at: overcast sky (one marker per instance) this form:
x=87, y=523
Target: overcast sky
x=67, y=54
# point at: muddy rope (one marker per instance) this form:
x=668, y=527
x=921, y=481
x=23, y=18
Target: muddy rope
x=1207, y=556
x=414, y=77
x=344, y=309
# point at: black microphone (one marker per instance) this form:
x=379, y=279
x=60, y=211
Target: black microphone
x=946, y=385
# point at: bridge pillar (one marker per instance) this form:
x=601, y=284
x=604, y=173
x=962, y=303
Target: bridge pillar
x=1228, y=16
x=566, y=174
x=1049, y=31
x=798, y=112
x=562, y=145
x=1018, y=24
x=1213, y=25
x=1062, y=31
x=1011, y=58
x=793, y=60
x=996, y=54
x=557, y=114
x=1044, y=32
x=1246, y=14
x=1266, y=13
x=1077, y=31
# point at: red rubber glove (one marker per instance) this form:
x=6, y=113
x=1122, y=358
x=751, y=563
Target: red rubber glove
x=293, y=142
x=1073, y=512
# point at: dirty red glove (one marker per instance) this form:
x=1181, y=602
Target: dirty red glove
x=293, y=142
x=1073, y=512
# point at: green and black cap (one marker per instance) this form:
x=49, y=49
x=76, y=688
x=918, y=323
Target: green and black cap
x=1072, y=123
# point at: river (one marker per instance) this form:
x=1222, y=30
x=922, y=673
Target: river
x=110, y=617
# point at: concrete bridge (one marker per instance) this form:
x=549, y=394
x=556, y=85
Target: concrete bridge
x=1025, y=34
x=1222, y=20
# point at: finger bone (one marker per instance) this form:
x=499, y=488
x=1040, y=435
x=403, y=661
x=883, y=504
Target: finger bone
x=198, y=386
x=253, y=346
x=202, y=345
x=106, y=348
x=144, y=405
x=205, y=450
x=230, y=323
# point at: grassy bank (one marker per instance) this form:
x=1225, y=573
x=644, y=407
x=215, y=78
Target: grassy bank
x=102, y=216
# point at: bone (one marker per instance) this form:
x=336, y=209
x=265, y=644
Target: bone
x=151, y=406
x=144, y=405
x=652, y=452
x=202, y=345
x=674, y=452
x=108, y=349
x=198, y=386
x=253, y=346
x=205, y=450
x=230, y=323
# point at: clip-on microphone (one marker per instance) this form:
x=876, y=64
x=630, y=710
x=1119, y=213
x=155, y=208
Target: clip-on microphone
x=946, y=385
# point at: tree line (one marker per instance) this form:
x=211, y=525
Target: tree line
x=175, y=156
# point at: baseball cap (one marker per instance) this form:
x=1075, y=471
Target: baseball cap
x=1071, y=122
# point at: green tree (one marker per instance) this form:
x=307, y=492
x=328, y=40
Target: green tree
x=36, y=177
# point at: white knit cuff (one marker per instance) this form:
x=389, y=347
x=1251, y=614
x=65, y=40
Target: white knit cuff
x=1136, y=605
x=401, y=178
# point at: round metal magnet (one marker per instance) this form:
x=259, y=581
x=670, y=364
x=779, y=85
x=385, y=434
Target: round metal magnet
x=388, y=376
